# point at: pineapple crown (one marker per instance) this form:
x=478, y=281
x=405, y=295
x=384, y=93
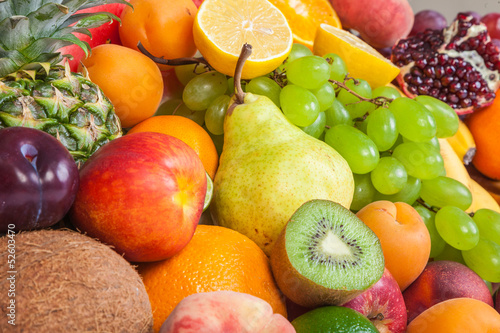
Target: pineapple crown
x=32, y=31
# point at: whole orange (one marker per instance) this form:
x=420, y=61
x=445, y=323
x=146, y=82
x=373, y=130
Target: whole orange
x=216, y=258
x=188, y=131
x=131, y=81
x=164, y=27
x=457, y=315
x=484, y=125
x=404, y=238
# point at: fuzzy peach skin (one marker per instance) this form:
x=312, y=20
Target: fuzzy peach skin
x=380, y=23
x=225, y=311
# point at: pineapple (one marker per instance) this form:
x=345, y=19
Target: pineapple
x=36, y=90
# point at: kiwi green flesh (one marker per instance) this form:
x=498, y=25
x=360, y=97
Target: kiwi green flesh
x=329, y=245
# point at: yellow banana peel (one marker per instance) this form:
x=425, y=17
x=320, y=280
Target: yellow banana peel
x=463, y=143
x=455, y=169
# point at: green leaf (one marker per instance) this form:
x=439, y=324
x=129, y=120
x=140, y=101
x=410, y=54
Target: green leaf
x=15, y=33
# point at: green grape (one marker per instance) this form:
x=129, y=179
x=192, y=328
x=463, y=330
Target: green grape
x=337, y=114
x=364, y=191
x=484, y=259
x=325, y=95
x=266, y=87
x=362, y=125
x=389, y=93
x=445, y=116
x=488, y=223
x=299, y=105
x=355, y=147
x=309, y=72
x=230, y=86
x=214, y=117
x=451, y=254
x=437, y=242
x=297, y=51
x=399, y=141
x=318, y=127
x=356, y=109
x=386, y=91
x=457, y=228
x=409, y=194
x=414, y=121
x=178, y=108
x=203, y=89
x=381, y=128
x=389, y=176
x=434, y=142
x=217, y=139
x=185, y=73
x=338, y=68
x=420, y=160
x=445, y=191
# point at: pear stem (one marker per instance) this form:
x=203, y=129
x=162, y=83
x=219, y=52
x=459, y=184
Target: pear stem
x=245, y=53
x=172, y=62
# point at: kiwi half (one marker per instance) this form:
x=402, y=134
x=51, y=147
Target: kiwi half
x=326, y=255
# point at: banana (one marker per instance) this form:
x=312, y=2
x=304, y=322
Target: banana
x=463, y=143
x=455, y=169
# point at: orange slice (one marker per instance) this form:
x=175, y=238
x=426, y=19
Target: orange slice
x=305, y=16
x=221, y=28
x=362, y=60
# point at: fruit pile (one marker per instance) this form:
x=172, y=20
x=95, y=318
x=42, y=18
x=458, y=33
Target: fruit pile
x=248, y=166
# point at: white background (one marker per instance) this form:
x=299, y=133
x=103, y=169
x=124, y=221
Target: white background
x=450, y=8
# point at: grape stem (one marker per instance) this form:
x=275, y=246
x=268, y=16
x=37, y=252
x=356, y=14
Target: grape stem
x=379, y=101
x=434, y=209
x=172, y=62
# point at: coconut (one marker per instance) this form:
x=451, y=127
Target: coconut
x=64, y=281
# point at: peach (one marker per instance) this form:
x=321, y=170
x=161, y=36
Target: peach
x=442, y=280
x=225, y=311
x=380, y=23
x=403, y=235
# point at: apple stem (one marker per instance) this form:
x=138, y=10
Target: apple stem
x=173, y=62
x=246, y=51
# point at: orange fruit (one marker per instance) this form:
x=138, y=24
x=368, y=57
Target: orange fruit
x=216, y=258
x=221, y=27
x=362, y=60
x=457, y=315
x=305, y=16
x=188, y=131
x=483, y=124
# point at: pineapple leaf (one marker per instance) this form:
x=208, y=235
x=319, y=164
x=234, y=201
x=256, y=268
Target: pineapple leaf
x=15, y=33
x=90, y=20
x=104, y=2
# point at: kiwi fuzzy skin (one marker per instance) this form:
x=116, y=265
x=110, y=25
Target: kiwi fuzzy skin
x=300, y=289
x=69, y=282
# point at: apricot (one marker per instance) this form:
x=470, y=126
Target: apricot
x=405, y=240
x=131, y=81
x=443, y=280
x=380, y=23
x=457, y=315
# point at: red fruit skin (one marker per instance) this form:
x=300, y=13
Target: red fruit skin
x=497, y=301
x=197, y=3
x=383, y=304
x=380, y=24
x=106, y=33
x=443, y=280
x=142, y=193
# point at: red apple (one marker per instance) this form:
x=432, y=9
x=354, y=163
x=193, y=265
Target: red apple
x=383, y=304
x=197, y=3
x=497, y=301
x=106, y=33
x=142, y=193
x=443, y=280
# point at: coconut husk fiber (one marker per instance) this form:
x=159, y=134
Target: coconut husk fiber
x=69, y=282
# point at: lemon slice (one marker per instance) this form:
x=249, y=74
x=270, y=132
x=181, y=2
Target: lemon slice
x=305, y=16
x=362, y=60
x=221, y=28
